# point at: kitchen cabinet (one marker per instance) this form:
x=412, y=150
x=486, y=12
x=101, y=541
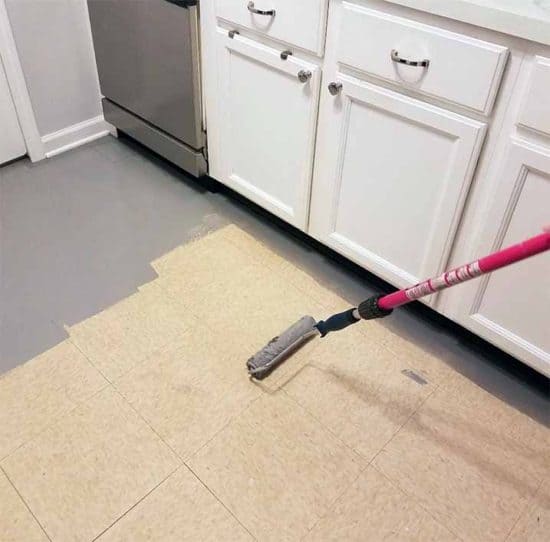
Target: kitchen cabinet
x=511, y=308
x=267, y=117
x=421, y=126
x=391, y=177
x=12, y=144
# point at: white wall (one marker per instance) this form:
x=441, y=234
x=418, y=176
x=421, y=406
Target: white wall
x=54, y=45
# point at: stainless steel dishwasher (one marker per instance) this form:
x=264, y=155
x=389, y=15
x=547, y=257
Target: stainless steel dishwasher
x=147, y=55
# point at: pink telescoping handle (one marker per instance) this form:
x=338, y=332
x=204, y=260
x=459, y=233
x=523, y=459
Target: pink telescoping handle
x=502, y=258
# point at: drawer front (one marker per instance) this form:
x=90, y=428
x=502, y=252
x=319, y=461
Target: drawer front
x=461, y=70
x=535, y=112
x=300, y=23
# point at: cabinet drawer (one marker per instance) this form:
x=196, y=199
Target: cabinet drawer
x=535, y=112
x=297, y=23
x=461, y=70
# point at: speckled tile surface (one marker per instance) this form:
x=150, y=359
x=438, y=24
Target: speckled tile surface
x=143, y=424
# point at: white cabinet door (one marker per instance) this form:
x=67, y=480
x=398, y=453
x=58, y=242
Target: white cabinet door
x=391, y=176
x=12, y=143
x=511, y=307
x=267, y=122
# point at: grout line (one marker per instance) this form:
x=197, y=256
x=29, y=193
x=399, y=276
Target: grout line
x=370, y=463
x=24, y=502
x=185, y=462
x=220, y=501
x=525, y=510
x=235, y=416
x=70, y=339
x=49, y=424
x=416, y=501
x=137, y=502
x=420, y=405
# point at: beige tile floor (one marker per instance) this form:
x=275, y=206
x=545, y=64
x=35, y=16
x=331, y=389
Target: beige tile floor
x=143, y=425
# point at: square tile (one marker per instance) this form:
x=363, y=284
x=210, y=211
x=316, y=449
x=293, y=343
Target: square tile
x=84, y=472
x=534, y=524
x=192, y=389
x=180, y=509
x=358, y=390
x=375, y=509
x=458, y=457
x=118, y=338
x=16, y=522
x=276, y=468
x=254, y=248
x=35, y=394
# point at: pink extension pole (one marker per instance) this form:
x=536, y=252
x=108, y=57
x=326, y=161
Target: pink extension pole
x=502, y=258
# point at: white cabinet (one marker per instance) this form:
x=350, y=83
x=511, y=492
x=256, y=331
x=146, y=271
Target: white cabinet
x=267, y=109
x=12, y=144
x=511, y=308
x=296, y=23
x=391, y=177
x=461, y=70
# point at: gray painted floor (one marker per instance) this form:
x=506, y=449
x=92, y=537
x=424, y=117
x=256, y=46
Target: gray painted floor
x=78, y=233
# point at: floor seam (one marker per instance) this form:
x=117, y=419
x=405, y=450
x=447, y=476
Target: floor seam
x=524, y=511
x=219, y=500
x=416, y=502
x=137, y=502
x=70, y=339
x=76, y=404
x=185, y=462
x=25, y=502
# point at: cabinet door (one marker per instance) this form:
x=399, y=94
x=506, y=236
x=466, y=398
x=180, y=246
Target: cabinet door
x=12, y=144
x=390, y=179
x=511, y=307
x=267, y=125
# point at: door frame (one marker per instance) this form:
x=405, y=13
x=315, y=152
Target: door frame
x=18, y=88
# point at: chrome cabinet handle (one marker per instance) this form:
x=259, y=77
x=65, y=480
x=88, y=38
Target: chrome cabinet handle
x=396, y=58
x=304, y=76
x=268, y=12
x=233, y=33
x=335, y=88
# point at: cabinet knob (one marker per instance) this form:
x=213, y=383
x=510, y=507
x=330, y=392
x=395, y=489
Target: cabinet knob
x=334, y=88
x=304, y=76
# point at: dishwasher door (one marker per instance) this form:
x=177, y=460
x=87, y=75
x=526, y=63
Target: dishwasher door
x=147, y=56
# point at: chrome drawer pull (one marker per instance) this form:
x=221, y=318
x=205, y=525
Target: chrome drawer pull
x=233, y=33
x=396, y=58
x=304, y=76
x=335, y=88
x=285, y=54
x=268, y=12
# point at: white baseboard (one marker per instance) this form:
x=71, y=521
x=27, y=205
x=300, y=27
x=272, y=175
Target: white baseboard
x=75, y=135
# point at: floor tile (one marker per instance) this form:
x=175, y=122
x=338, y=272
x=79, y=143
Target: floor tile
x=255, y=248
x=192, y=389
x=16, y=522
x=276, y=468
x=37, y=393
x=358, y=390
x=180, y=509
x=374, y=509
x=534, y=524
x=118, y=338
x=205, y=260
x=459, y=458
x=81, y=474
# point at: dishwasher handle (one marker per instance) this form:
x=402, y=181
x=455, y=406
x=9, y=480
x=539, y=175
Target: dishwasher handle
x=183, y=3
